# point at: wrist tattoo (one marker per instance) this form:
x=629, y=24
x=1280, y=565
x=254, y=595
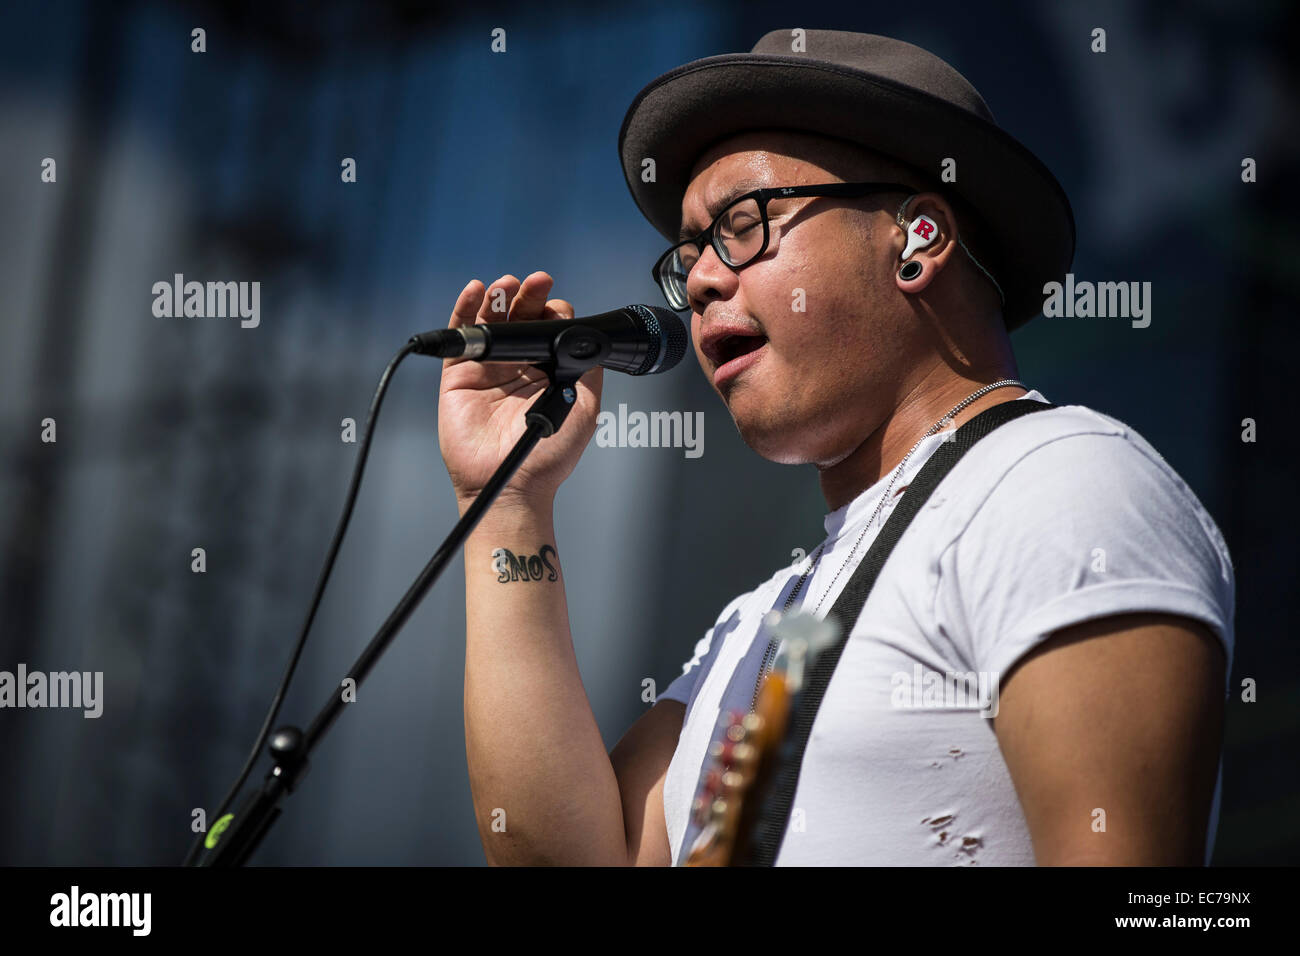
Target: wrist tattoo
x=524, y=567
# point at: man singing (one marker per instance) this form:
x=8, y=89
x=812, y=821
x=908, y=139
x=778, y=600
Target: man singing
x=855, y=238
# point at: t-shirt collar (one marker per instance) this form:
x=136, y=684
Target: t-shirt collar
x=853, y=515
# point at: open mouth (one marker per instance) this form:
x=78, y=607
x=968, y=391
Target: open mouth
x=734, y=346
x=733, y=354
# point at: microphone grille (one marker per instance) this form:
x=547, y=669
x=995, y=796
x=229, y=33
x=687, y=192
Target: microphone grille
x=671, y=333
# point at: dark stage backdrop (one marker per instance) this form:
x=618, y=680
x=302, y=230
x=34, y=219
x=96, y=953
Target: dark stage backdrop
x=180, y=433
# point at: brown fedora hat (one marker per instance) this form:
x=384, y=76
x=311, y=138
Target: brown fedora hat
x=887, y=95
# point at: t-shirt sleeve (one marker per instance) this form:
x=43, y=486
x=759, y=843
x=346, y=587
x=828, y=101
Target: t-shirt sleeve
x=681, y=687
x=1082, y=527
x=706, y=649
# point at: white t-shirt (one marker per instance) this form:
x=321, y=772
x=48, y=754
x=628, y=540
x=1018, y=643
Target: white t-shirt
x=1052, y=519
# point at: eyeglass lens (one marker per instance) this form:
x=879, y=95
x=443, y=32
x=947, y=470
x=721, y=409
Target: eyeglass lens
x=738, y=238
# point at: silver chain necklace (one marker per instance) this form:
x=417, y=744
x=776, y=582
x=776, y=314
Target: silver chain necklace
x=769, y=656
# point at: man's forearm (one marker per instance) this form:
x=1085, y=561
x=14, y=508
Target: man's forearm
x=543, y=787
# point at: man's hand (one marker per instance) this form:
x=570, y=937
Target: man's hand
x=481, y=406
x=1123, y=715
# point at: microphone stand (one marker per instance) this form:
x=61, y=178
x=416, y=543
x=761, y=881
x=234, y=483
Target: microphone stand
x=234, y=837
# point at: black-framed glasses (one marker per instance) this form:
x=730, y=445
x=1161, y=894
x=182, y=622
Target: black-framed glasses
x=740, y=233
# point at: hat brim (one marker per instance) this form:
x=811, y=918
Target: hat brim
x=1023, y=209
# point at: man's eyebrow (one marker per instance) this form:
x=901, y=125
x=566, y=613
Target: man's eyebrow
x=737, y=189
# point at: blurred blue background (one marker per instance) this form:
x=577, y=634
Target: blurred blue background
x=183, y=433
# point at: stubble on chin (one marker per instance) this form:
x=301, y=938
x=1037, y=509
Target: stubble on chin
x=771, y=433
x=793, y=430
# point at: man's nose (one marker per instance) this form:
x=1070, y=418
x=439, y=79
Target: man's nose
x=710, y=278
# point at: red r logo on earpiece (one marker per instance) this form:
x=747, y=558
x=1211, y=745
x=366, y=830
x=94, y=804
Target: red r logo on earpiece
x=924, y=231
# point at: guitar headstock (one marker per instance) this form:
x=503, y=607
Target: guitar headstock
x=741, y=762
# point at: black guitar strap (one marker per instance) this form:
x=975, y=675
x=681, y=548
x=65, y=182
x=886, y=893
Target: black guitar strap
x=775, y=814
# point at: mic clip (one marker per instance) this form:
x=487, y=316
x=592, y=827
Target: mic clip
x=575, y=352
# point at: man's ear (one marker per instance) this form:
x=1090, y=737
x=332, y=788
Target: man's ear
x=928, y=238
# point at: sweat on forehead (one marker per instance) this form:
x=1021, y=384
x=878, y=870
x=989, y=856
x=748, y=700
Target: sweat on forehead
x=770, y=156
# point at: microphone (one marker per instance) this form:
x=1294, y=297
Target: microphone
x=636, y=339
